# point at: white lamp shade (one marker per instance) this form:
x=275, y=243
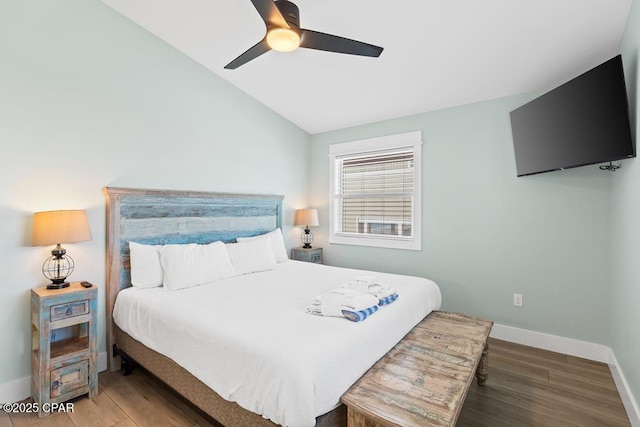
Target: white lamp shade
x=53, y=227
x=307, y=217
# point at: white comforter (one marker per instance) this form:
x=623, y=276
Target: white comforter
x=249, y=338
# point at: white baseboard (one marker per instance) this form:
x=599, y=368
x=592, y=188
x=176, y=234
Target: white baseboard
x=573, y=347
x=630, y=403
x=15, y=390
x=20, y=389
x=570, y=346
x=102, y=361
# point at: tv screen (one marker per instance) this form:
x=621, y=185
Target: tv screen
x=582, y=122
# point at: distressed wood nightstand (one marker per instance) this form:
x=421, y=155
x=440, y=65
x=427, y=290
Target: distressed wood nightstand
x=309, y=255
x=66, y=368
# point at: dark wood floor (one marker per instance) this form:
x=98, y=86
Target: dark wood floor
x=526, y=387
x=532, y=387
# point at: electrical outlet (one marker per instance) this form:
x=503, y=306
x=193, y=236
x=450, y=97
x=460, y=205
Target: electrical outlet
x=517, y=300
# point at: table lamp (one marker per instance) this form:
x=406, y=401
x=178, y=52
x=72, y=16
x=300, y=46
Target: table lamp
x=308, y=218
x=56, y=227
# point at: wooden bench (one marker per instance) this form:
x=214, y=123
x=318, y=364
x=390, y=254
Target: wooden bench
x=424, y=379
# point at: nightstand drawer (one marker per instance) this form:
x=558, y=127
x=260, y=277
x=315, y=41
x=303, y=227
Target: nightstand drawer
x=70, y=309
x=69, y=378
x=307, y=254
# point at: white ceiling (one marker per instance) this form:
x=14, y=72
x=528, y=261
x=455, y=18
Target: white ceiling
x=437, y=54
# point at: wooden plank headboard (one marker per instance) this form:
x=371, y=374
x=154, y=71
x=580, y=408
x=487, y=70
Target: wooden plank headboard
x=159, y=217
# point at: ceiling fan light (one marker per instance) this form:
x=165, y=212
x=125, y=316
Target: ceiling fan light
x=283, y=39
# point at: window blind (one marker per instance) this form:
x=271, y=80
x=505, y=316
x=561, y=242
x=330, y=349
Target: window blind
x=374, y=194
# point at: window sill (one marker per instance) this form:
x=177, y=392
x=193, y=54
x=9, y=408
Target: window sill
x=412, y=245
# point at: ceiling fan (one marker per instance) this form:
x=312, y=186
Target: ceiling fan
x=284, y=34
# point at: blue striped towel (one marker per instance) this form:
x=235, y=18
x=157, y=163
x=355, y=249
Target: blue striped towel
x=359, y=316
x=388, y=299
x=342, y=302
x=354, y=316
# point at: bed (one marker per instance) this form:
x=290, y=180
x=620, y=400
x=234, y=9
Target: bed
x=268, y=360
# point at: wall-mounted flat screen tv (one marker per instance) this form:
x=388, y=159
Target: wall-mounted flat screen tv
x=582, y=122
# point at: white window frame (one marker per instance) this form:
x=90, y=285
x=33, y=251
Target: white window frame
x=372, y=145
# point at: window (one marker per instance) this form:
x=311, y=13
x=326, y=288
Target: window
x=375, y=192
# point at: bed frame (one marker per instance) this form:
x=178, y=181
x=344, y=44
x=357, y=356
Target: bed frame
x=171, y=216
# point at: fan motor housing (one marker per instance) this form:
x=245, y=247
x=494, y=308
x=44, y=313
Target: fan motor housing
x=289, y=11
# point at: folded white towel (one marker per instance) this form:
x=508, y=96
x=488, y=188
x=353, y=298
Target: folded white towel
x=369, y=280
x=343, y=302
x=344, y=299
x=354, y=316
x=370, y=285
x=361, y=284
x=331, y=304
x=381, y=291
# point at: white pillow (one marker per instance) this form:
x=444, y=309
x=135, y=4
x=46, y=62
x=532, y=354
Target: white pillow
x=146, y=270
x=190, y=265
x=251, y=256
x=276, y=241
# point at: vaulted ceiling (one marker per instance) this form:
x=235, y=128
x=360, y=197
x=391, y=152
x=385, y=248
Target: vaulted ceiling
x=437, y=54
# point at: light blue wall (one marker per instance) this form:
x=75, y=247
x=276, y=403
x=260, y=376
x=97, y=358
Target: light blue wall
x=488, y=234
x=89, y=99
x=625, y=227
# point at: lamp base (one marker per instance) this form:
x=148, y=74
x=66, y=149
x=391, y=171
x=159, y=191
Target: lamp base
x=57, y=285
x=306, y=238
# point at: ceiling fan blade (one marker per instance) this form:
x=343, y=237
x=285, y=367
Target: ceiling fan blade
x=252, y=53
x=321, y=41
x=270, y=13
